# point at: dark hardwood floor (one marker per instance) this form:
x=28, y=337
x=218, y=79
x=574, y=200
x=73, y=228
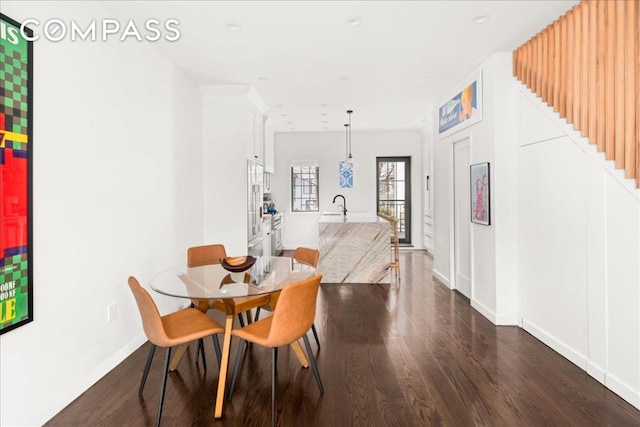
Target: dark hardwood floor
x=414, y=356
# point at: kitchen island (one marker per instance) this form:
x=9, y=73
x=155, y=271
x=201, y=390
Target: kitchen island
x=354, y=248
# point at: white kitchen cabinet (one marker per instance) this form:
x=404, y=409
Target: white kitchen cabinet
x=267, y=182
x=255, y=135
x=427, y=195
x=269, y=153
x=266, y=244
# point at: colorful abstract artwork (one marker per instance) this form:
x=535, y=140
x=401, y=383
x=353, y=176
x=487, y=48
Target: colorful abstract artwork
x=462, y=109
x=16, y=124
x=346, y=174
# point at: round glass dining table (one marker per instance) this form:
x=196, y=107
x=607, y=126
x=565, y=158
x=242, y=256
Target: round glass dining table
x=214, y=282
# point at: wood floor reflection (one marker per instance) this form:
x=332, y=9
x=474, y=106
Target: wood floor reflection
x=418, y=355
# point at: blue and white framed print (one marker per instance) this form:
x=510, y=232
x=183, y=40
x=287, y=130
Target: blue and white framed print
x=346, y=174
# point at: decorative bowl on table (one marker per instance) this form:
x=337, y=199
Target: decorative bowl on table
x=237, y=264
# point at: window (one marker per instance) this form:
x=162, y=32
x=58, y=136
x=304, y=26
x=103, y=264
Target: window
x=304, y=188
x=394, y=192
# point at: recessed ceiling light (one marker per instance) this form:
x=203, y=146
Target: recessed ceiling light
x=324, y=114
x=325, y=121
x=263, y=79
x=345, y=78
x=480, y=19
x=426, y=79
x=354, y=21
x=234, y=26
x=279, y=105
x=325, y=128
x=323, y=105
x=284, y=115
x=289, y=122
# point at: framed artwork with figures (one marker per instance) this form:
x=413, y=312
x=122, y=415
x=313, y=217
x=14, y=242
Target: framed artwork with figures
x=480, y=192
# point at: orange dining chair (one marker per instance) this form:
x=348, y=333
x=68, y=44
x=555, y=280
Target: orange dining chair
x=303, y=256
x=180, y=327
x=212, y=254
x=291, y=319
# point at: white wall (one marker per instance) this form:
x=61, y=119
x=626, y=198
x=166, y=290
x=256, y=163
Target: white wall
x=579, y=246
x=328, y=148
x=561, y=256
x=117, y=192
x=493, y=140
x=227, y=122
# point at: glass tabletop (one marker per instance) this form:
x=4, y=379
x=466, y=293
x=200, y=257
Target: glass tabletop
x=208, y=282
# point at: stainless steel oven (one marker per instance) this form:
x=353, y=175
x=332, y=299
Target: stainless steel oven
x=276, y=234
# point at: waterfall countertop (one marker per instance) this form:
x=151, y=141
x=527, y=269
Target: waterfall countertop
x=354, y=249
x=352, y=217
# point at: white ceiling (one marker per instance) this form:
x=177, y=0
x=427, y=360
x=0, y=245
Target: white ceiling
x=312, y=57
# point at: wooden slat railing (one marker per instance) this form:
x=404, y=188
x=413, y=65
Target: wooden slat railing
x=586, y=65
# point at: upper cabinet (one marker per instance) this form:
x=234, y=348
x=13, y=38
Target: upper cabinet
x=269, y=154
x=255, y=135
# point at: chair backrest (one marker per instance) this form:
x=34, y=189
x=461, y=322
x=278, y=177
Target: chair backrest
x=295, y=312
x=151, y=321
x=394, y=227
x=306, y=256
x=205, y=255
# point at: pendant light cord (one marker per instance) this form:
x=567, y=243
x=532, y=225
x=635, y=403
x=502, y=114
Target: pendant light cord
x=348, y=150
x=349, y=156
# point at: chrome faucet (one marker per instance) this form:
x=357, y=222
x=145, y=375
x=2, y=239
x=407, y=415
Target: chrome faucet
x=343, y=205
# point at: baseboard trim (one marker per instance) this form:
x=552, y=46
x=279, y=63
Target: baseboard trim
x=623, y=390
x=103, y=369
x=485, y=311
x=598, y=373
x=440, y=278
x=567, y=352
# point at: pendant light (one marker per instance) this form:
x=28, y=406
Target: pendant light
x=349, y=156
x=348, y=148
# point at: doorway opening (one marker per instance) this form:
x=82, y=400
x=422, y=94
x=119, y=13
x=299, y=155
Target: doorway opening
x=393, y=185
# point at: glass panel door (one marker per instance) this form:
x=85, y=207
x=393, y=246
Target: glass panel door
x=394, y=192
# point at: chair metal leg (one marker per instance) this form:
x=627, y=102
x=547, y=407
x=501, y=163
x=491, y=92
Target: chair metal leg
x=201, y=349
x=241, y=319
x=274, y=364
x=164, y=384
x=312, y=361
x=146, y=367
x=216, y=347
x=241, y=346
x=257, y=314
x=315, y=334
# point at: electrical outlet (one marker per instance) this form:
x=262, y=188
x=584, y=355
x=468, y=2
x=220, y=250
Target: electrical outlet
x=113, y=312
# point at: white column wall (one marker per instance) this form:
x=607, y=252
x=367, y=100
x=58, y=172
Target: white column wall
x=493, y=140
x=117, y=191
x=225, y=122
